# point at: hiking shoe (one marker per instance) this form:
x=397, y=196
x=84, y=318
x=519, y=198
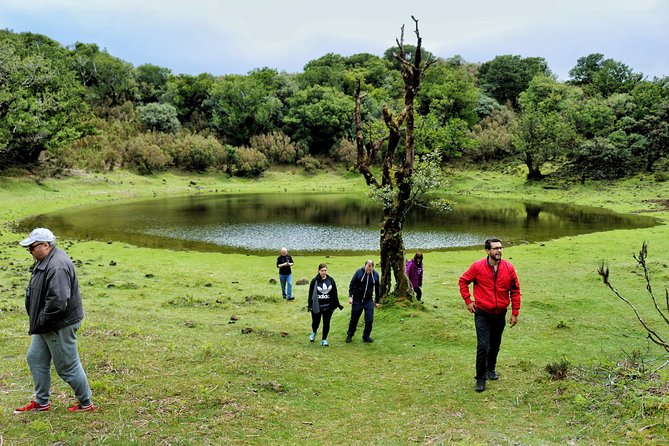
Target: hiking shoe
x=312, y=336
x=33, y=407
x=492, y=375
x=79, y=408
x=290, y=298
x=480, y=385
x=349, y=339
x=324, y=343
x=368, y=339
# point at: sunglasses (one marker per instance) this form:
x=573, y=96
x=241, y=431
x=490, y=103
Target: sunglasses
x=31, y=248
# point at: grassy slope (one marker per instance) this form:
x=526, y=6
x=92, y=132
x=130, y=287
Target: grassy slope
x=168, y=367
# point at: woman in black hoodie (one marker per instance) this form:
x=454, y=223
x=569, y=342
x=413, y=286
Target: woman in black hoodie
x=322, y=302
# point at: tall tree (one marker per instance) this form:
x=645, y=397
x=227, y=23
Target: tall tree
x=396, y=185
x=246, y=105
x=319, y=117
x=151, y=82
x=545, y=130
x=505, y=77
x=41, y=101
x=191, y=96
x=599, y=76
x=109, y=80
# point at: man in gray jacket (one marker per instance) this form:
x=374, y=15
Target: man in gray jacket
x=55, y=311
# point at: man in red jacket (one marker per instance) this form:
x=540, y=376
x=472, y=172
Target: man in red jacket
x=495, y=286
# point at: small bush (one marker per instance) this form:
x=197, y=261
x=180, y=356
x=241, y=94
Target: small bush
x=562, y=324
x=197, y=152
x=493, y=137
x=277, y=147
x=250, y=162
x=146, y=157
x=309, y=163
x=346, y=152
x=558, y=370
x=159, y=117
x=661, y=177
x=102, y=149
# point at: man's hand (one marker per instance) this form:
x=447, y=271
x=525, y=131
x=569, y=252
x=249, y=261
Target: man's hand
x=350, y=300
x=377, y=305
x=471, y=307
x=513, y=320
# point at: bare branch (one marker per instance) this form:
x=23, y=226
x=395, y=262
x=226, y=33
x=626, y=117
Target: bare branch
x=365, y=155
x=641, y=260
x=652, y=335
x=603, y=271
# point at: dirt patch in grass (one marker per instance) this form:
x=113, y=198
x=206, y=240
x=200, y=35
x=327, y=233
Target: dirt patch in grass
x=661, y=204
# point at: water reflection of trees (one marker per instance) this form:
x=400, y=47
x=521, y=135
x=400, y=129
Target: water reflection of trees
x=528, y=221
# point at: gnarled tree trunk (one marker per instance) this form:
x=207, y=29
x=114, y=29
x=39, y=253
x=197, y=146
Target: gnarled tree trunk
x=396, y=179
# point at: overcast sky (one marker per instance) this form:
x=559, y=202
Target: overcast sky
x=236, y=36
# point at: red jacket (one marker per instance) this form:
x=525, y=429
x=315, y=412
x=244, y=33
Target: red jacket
x=492, y=292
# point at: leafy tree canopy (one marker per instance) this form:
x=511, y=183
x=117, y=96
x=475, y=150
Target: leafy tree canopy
x=41, y=100
x=505, y=77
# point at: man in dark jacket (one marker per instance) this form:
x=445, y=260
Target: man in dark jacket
x=284, y=263
x=363, y=294
x=55, y=312
x=495, y=287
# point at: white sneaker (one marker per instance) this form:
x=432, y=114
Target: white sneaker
x=312, y=336
x=324, y=343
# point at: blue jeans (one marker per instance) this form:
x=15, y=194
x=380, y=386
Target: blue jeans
x=286, y=285
x=60, y=346
x=489, y=329
x=356, y=311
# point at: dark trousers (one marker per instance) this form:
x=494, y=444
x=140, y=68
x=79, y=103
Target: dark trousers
x=419, y=292
x=489, y=329
x=356, y=311
x=316, y=321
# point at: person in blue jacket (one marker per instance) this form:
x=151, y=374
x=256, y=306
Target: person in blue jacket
x=364, y=295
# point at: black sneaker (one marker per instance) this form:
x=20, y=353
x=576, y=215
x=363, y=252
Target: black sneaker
x=480, y=385
x=492, y=375
x=349, y=339
x=367, y=340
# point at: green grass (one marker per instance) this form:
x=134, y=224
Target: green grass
x=167, y=365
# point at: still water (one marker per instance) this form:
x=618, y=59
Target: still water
x=322, y=223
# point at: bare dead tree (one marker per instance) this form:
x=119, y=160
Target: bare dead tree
x=395, y=186
x=653, y=334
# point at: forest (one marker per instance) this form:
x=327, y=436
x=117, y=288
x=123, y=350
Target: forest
x=79, y=107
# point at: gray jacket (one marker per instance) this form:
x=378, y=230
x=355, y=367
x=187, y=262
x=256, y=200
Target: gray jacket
x=52, y=297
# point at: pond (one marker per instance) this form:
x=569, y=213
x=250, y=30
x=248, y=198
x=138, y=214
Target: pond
x=322, y=223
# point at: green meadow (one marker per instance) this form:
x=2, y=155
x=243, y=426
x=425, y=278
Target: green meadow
x=193, y=348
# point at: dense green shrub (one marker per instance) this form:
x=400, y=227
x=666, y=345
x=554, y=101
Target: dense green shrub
x=599, y=159
x=309, y=163
x=493, y=135
x=159, y=117
x=196, y=152
x=346, y=152
x=97, y=153
x=250, y=162
x=102, y=149
x=145, y=156
x=661, y=177
x=277, y=147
